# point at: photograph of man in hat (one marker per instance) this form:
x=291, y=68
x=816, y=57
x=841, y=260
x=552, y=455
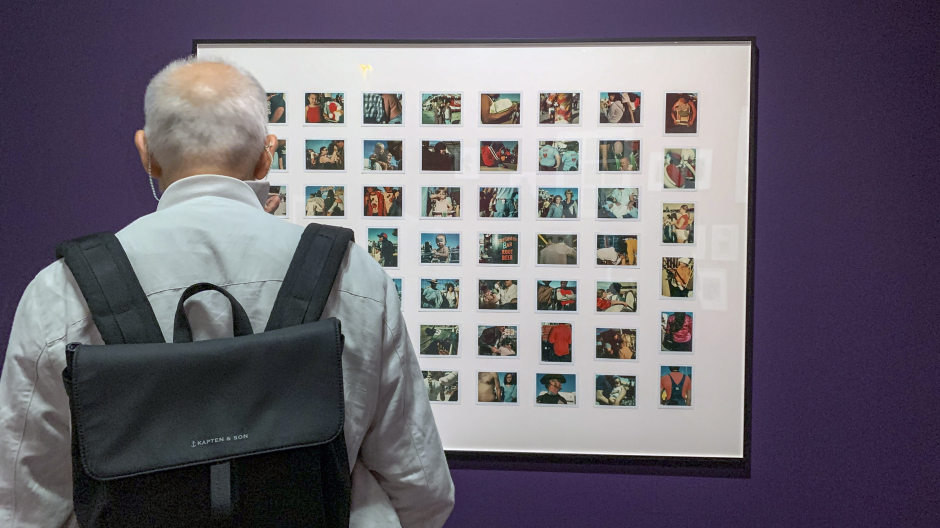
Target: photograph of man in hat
x=434, y=299
x=431, y=297
x=558, y=389
x=383, y=246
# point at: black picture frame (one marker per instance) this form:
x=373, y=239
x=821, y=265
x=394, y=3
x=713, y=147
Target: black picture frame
x=722, y=467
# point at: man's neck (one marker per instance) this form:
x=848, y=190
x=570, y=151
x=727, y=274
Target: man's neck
x=168, y=179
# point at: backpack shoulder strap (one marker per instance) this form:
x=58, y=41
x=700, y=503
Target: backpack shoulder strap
x=310, y=277
x=117, y=302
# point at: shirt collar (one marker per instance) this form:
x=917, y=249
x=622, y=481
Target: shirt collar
x=192, y=187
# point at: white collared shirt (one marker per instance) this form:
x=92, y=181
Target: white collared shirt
x=213, y=229
x=508, y=294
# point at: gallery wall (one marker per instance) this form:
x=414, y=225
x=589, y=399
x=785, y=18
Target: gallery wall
x=844, y=392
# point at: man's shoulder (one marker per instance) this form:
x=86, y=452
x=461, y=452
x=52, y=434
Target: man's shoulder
x=55, y=295
x=362, y=276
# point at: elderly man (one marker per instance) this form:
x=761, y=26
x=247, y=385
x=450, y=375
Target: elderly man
x=204, y=141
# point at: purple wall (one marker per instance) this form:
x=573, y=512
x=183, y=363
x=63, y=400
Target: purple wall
x=847, y=246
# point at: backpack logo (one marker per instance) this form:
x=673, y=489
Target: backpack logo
x=207, y=441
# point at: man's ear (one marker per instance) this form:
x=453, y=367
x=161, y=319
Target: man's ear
x=267, y=155
x=153, y=168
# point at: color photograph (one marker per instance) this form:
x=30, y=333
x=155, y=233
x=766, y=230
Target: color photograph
x=499, y=202
x=555, y=156
x=559, y=108
x=501, y=294
x=325, y=200
x=558, y=202
x=678, y=277
x=497, y=387
x=382, y=155
x=620, y=108
x=440, y=202
x=397, y=283
x=619, y=203
x=382, y=201
x=675, y=386
x=323, y=108
x=557, y=249
x=679, y=168
x=679, y=223
x=440, y=156
x=276, y=204
x=382, y=109
x=440, y=109
x=612, y=390
x=499, y=156
x=617, y=250
x=551, y=389
x=440, y=294
x=497, y=341
x=616, y=297
x=618, y=155
x=442, y=386
x=557, y=343
x=277, y=108
x=326, y=154
x=499, y=249
x=279, y=157
x=500, y=109
x=676, y=334
x=557, y=296
x=615, y=343
x=439, y=340
x=440, y=248
x=383, y=246
x=682, y=113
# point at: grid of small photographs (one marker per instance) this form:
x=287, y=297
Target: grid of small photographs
x=590, y=150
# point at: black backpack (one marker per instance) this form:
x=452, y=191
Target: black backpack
x=242, y=431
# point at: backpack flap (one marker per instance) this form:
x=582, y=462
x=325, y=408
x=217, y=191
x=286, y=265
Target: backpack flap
x=145, y=408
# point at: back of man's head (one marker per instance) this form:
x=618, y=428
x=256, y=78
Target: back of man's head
x=205, y=113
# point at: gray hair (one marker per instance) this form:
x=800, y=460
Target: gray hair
x=187, y=124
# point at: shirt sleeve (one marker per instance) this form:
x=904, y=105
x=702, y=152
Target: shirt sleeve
x=35, y=442
x=402, y=448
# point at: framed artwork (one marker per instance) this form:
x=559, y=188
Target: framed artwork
x=325, y=155
x=324, y=108
x=383, y=155
x=620, y=108
x=501, y=109
x=325, y=201
x=575, y=220
x=279, y=157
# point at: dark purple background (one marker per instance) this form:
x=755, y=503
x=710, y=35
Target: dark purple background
x=845, y=402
